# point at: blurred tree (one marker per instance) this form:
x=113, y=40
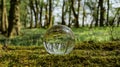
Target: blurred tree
x=76, y=15
x=46, y=22
x=69, y=20
x=63, y=13
x=4, y=17
x=102, y=11
x=94, y=12
x=24, y=13
x=112, y=20
x=31, y=13
x=50, y=14
x=36, y=12
x=108, y=4
x=14, y=18
x=84, y=14
x=34, y=8
x=118, y=21
x=41, y=11
x=97, y=15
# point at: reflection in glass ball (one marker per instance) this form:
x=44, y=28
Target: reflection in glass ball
x=59, y=39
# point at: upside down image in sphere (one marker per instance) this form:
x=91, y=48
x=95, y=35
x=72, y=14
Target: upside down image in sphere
x=59, y=39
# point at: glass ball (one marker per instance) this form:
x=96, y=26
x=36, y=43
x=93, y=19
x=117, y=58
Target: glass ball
x=59, y=39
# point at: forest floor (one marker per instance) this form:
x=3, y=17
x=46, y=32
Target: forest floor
x=98, y=47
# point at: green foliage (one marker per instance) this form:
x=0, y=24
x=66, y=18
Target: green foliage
x=28, y=37
x=35, y=36
x=100, y=34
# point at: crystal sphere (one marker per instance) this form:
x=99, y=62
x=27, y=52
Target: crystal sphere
x=59, y=39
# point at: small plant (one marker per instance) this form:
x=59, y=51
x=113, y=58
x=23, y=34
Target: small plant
x=114, y=34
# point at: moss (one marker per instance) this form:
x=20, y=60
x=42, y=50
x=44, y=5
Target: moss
x=84, y=54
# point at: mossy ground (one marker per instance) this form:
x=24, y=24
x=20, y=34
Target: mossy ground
x=88, y=54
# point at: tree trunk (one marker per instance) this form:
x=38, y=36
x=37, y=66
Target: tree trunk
x=69, y=25
x=31, y=13
x=76, y=16
x=113, y=20
x=118, y=22
x=50, y=14
x=96, y=20
x=83, y=16
x=77, y=23
x=101, y=13
x=35, y=8
x=36, y=13
x=41, y=11
x=107, y=22
x=32, y=6
x=31, y=18
x=46, y=22
x=63, y=13
x=14, y=18
x=4, y=18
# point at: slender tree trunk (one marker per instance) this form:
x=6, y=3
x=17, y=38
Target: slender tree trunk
x=113, y=20
x=78, y=8
x=14, y=18
x=4, y=18
x=46, y=22
x=83, y=16
x=41, y=11
x=24, y=20
x=31, y=19
x=118, y=22
x=77, y=23
x=31, y=13
x=96, y=23
x=107, y=22
x=36, y=13
x=76, y=16
x=69, y=25
x=50, y=14
x=63, y=13
x=33, y=8
x=101, y=13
